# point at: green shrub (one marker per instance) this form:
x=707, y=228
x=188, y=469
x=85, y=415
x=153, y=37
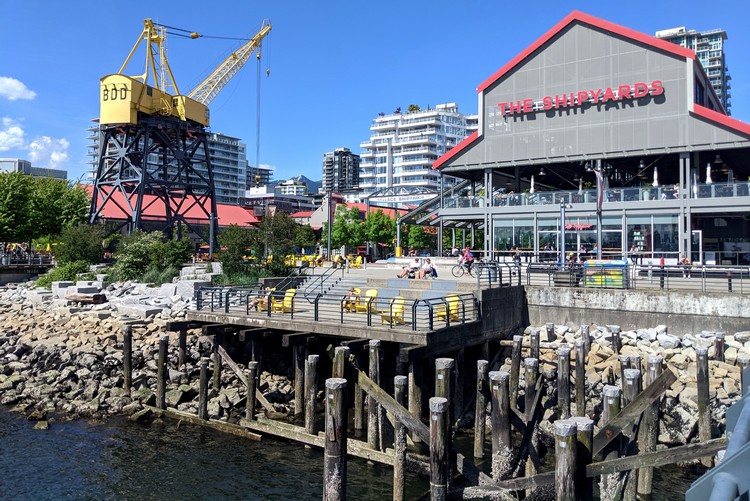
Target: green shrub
x=146, y=253
x=80, y=243
x=66, y=271
x=158, y=276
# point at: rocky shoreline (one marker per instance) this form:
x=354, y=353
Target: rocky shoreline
x=61, y=360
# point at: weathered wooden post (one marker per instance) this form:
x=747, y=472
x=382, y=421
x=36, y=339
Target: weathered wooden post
x=480, y=410
x=586, y=336
x=256, y=344
x=203, y=390
x=563, y=381
x=624, y=364
x=311, y=393
x=444, y=383
x=373, y=408
x=532, y=375
x=580, y=378
x=161, y=373
x=719, y=346
x=216, y=359
x=584, y=456
x=415, y=393
x=649, y=430
x=704, y=416
x=252, y=385
x=459, y=374
x=515, y=366
x=632, y=388
x=500, y=423
x=334, y=465
x=399, y=438
x=565, y=460
x=616, y=344
x=340, y=357
x=610, y=408
x=550, y=328
x=298, y=353
x=182, y=347
x=127, y=357
x=439, y=468
x=359, y=406
x=635, y=362
x=534, y=340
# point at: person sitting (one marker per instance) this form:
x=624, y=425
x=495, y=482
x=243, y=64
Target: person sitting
x=260, y=301
x=686, y=265
x=411, y=269
x=426, y=269
x=351, y=298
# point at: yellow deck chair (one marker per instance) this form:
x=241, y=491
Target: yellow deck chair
x=285, y=305
x=351, y=305
x=263, y=303
x=395, y=313
x=454, y=302
x=357, y=263
x=363, y=301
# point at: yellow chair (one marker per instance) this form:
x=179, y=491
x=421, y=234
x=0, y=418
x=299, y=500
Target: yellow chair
x=361, y=306
x=357, y=263
x=262, y=305
x=285, y=305
x=454, y=302
x=395, y=313
x=351, y=304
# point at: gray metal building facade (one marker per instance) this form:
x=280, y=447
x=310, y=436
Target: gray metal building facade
x=587, y=96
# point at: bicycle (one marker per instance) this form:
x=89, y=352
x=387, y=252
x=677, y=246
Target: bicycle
x=462, y=269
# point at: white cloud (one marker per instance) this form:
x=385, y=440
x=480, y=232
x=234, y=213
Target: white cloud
x=45, y=151
x=11, y=134
x=13, y=89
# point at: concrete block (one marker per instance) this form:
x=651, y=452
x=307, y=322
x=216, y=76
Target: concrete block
x=139, y=310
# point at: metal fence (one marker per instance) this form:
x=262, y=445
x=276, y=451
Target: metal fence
x=412, y=314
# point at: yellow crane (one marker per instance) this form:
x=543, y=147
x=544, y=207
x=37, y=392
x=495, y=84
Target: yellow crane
x=123, y=97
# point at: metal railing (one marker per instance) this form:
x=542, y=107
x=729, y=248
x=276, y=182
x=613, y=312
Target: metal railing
x=23, y=259
x=415, y=314
x=712, y=279
x=490, y=273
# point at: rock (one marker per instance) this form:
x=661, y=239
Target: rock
x=142, y=415
x=41, y=425
x=668, y=341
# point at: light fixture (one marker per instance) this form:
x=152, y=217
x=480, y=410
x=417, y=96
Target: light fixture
x=541, y=172
x=718, y=159
x=642, y=164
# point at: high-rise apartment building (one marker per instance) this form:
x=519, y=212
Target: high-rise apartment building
x=228, y=156
x=25, y=167
x=403, y=146
x=340, y=171
x=709, y=47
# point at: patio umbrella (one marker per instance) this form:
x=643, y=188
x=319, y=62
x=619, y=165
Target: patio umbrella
x=656, y=177
x=580, y=185
x=708, y=174
x=695, y=183
x=531, y=189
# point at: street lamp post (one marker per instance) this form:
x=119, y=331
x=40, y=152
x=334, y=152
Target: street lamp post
x=563, y=206
x=597, y=169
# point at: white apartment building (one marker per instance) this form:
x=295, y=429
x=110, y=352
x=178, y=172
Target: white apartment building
x=403, y=146
x=292, y=187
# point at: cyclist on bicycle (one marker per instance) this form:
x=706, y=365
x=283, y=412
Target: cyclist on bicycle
x=468, y=258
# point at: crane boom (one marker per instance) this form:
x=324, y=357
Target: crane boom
x=207, y=90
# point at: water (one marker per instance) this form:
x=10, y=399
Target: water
x=80, y=460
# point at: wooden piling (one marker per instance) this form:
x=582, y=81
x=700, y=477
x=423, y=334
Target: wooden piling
x=374, y=423
x=334, y=465
x=532, y=375
x=182, y=347
x=584, y=456
x=580, y=378
x=444, y=383
x=534, y=340
x=515, y=366
x=257, y=351
x=311, y=393
x=161, y=373
x=500, y=423
x=565, y=460
x=704, y=416
x=400, y=384
x=610, y=408
x=127, y=357
x=252, y=385
x=216, y=359
x=649, y=431
x=616, y=343
x=340, y=357
x=298, y=353
x=438, y=449
x=624, y=365
x=359, y=406
x=459, y=374
x=203, y=390
x=586, y=336
x=635, y=362
x=719, y=346
x=563, y=382
x=550, y=328
x=631, y=390
x=480, y=409
x=415, y=393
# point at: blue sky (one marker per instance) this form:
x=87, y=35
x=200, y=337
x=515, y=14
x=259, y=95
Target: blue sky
x=334, y=65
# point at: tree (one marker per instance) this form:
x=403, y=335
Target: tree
x=15, y=193
x=278, y=234
x=234, y=242
x=421, y=237
x=304, y=237
x=80, y=243
x=414, y=108
x=379, y=228
x=347, y=230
